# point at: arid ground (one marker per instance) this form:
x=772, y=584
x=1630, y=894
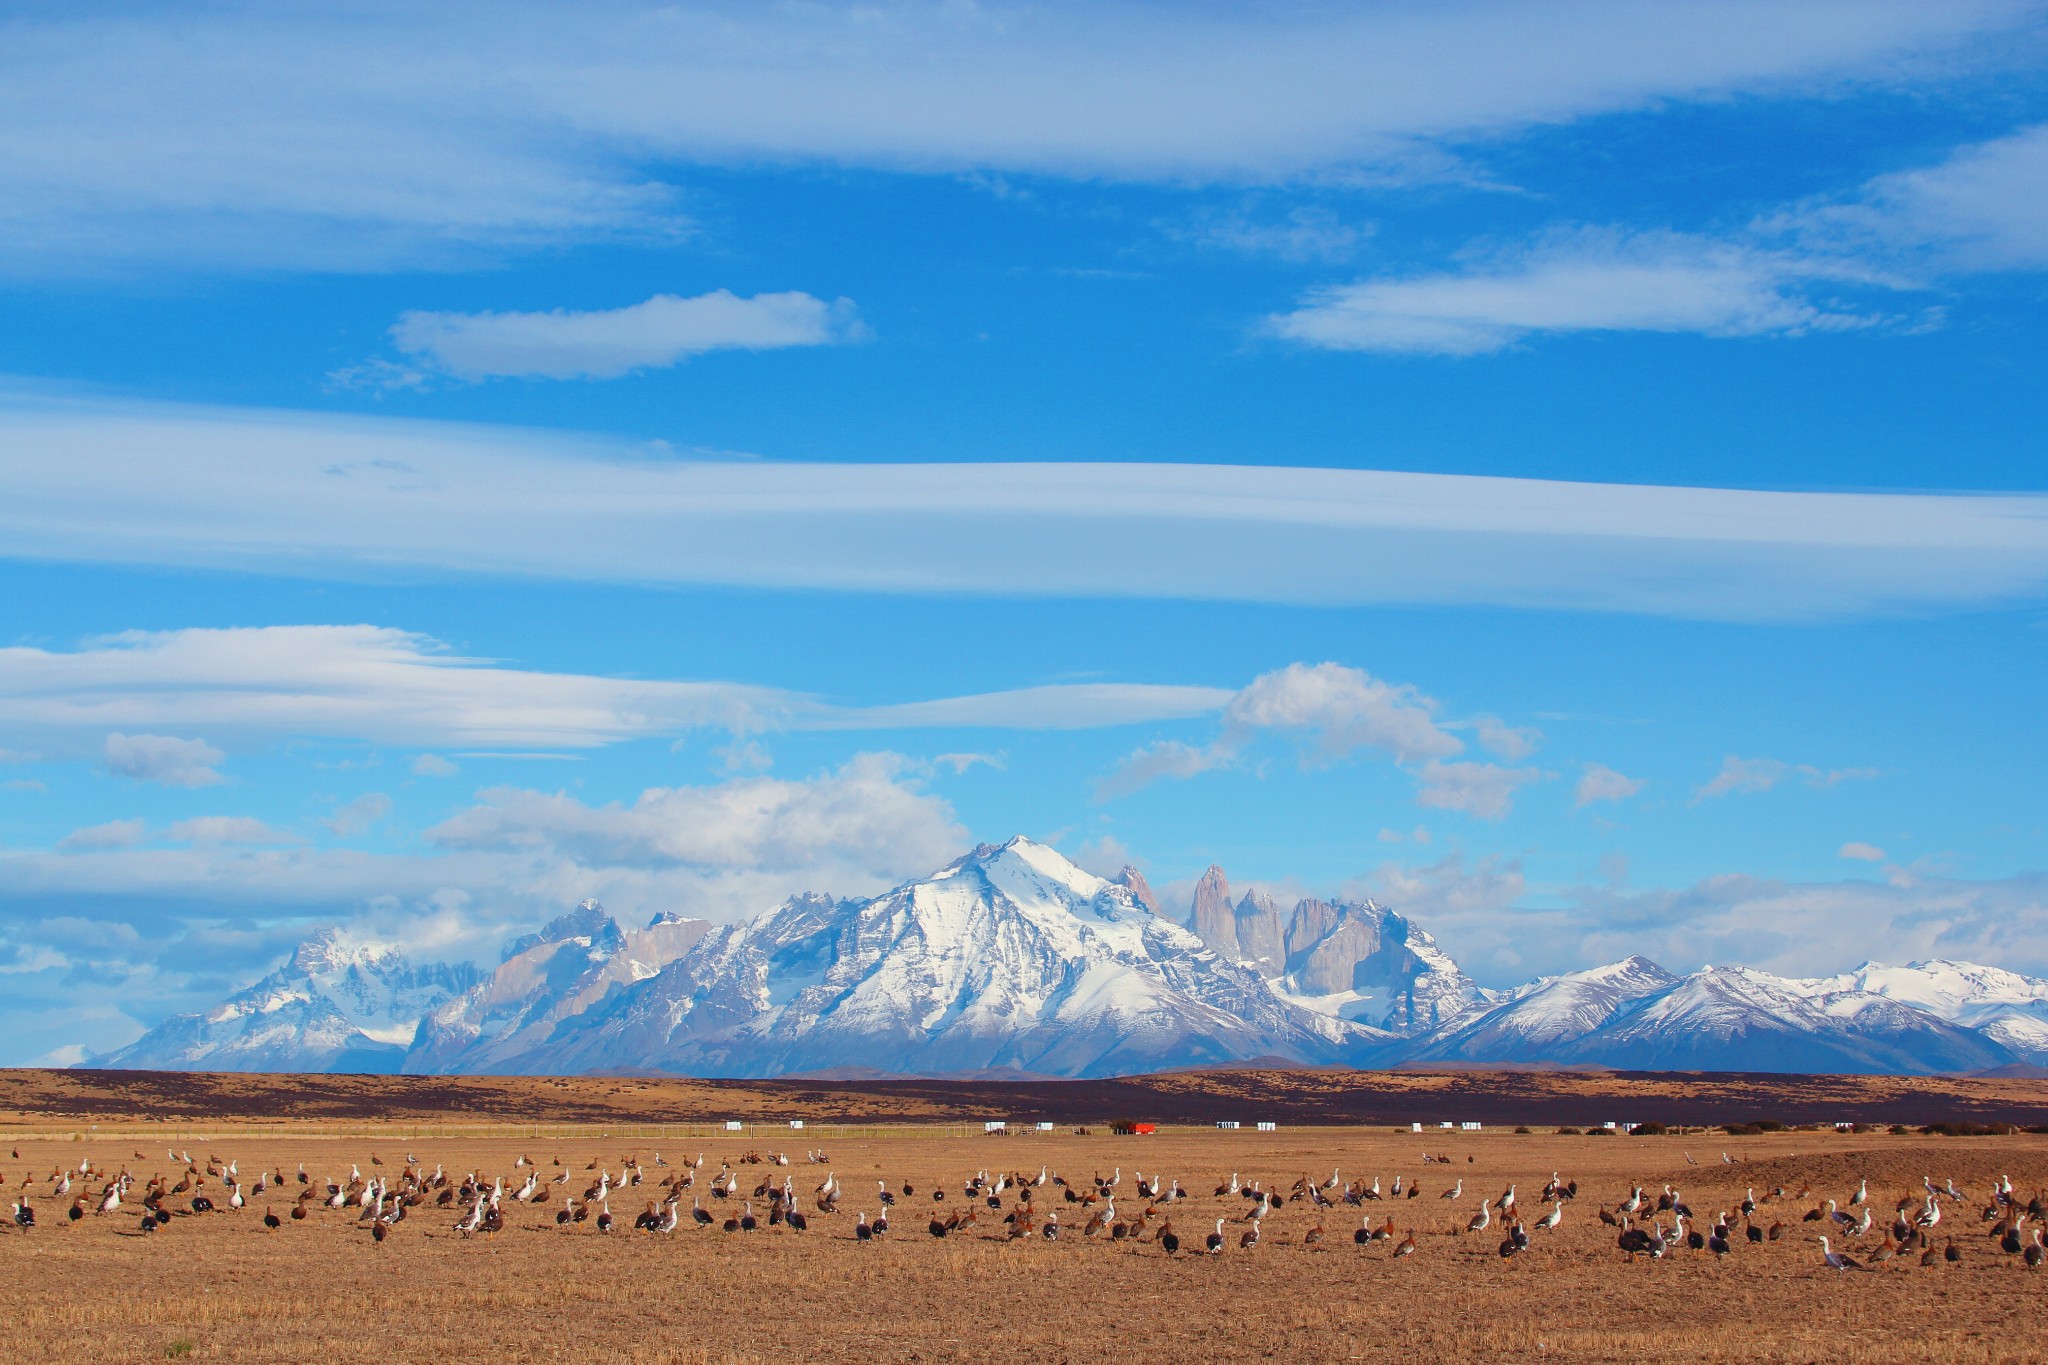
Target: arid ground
x=222, y=1285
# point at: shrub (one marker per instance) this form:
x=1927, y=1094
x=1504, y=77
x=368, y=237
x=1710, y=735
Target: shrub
x=179, y=1349
x=1523, y=1130
x=1900, y=1130
x=1650, y=1130
x=1567, y=1132
x=1600, y=1132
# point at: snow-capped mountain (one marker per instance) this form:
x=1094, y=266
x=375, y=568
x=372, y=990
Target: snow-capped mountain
x=546, y=978
x=1557, y=1011
x=2006, y=1007
x=339, y=1004
x=1636, y=1015
x=1353, y=959
x=1011, y=957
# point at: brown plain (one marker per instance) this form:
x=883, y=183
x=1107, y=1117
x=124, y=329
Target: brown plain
x=223, y=1286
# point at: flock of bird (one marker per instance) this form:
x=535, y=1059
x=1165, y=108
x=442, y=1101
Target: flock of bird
x=1015, y=1206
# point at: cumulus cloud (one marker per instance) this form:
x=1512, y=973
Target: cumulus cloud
x=1506, y=741
x=1339, y=710
x=1333, y=712
x=1485, y=790
x=433, y=765
x=665, y=330
x=163, y=759
x=1598, y=782
x=1586, y=282
x=228, y=829
x=357, y=816
x=1506, y=930
x=869, y=813
x=1863, y=853
x=1748, y=776
x=1164, y=758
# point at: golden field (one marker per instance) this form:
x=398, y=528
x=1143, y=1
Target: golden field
x=222, y=1286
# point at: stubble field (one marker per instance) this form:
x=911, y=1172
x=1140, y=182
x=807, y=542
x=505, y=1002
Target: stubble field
x=224, y=1286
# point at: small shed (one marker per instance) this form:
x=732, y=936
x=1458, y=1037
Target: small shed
x=1268, y=1126
x=1228, y=1125
x=995, y=1126
x=733, y=1125
x=796, y=1123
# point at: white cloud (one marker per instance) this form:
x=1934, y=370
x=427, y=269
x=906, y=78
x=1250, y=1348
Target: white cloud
x=367, y=498
x=359, y=815
x=1984, y=207
x=1303, y=233
x=1864, y=853
x=228, y=829
x=1483, y=916
x=868, y=813
x=1165, y=758
x=1598, y=782
x=252, y=137
x=1511, y=742
x=1485, y=790
x=390, y=686
x=1339, y=710
x=112, y=834
x=1333, y=711
x=665, y=330
x=163, y=758
x=1584, y=282
x=1749, y=776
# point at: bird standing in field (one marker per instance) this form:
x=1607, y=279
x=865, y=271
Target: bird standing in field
x=1835, y=1260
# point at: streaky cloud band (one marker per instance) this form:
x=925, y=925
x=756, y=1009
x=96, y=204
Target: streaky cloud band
x=365, y=498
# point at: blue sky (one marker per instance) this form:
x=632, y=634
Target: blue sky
x=1574, y=473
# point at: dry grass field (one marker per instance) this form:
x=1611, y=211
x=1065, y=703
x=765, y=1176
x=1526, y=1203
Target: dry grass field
x=223, y=1286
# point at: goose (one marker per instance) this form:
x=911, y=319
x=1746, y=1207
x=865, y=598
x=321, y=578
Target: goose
x=1215, y=1239
x=1549, y=1221
x=861, y=1231
x=1249, y=1239
x=1862, y=1195
x=1168, y=1238
x=271, y=1220
x=24, y=1216
x=1454, y=1191
x=2037, y=1252
x=747, y=1220
x=1406, y=1247
x=604, y=1216
x=1480, y=1220
x=1835, y=1260
x=1363, y=1236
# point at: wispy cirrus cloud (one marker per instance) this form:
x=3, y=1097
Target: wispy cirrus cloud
x=245, y=136
x=367, y=498
x=1582, y=282
x=1748, y=776
x=386, y=686
x=606, y=343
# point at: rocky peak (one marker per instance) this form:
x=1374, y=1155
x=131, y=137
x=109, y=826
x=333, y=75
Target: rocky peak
x=1134, y=882
x=1211, y=918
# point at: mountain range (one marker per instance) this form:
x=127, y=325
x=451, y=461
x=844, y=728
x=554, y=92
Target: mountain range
x=1012, y=960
